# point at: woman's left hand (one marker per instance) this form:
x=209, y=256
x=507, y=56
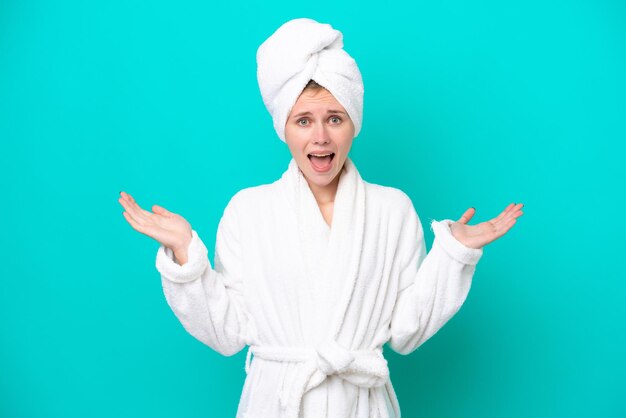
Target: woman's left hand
x=477, y=236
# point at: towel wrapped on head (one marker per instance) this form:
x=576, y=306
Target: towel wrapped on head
x=301, y=50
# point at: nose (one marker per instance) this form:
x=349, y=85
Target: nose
x=321, y=135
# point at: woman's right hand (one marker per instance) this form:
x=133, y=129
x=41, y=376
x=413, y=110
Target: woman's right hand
x=168, y=228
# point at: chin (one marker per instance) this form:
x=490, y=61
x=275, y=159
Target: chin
x=323, y=179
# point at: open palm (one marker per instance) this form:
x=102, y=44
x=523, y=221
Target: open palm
x=168, y=228
x=479, y=235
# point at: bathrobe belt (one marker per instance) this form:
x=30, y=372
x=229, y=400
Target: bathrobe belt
x=364, y=368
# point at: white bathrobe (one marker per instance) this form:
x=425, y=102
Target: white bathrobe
x=315, y=303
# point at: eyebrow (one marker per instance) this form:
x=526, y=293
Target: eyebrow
x=329, y=111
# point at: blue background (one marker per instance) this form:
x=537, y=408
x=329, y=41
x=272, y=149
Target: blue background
x=466, y=104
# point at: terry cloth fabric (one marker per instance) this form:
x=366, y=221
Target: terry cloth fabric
x=314, y=302
x=301, y=50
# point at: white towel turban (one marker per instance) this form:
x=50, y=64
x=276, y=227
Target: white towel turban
x=302, y=50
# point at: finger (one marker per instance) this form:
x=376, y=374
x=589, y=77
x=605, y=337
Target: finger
x=139, y=214
x=136, y=213
x=511, y=211
x=467, y=215
x=124, y=202
x=501, y=218
x=145, y=212
x=133, y=223
x=501, y=227
x=514, y=212
x=161, y=211
x=129, y=197
x=506, y=227
x=503, y=213
x=130, y=212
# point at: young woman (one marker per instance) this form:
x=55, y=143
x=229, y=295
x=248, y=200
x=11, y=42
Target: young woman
x=316, y=271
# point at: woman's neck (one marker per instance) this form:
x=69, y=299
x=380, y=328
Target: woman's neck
x=326, y=194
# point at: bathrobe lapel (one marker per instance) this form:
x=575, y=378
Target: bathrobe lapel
x=341, y=258
x=333, y=321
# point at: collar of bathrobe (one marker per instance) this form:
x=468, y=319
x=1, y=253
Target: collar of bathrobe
x=345, y=239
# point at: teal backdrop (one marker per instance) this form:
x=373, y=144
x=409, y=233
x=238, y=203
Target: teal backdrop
x=478, y=104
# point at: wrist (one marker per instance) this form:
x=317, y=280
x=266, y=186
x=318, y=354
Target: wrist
x=180, y=257
x=184, y=244
x=181, y=251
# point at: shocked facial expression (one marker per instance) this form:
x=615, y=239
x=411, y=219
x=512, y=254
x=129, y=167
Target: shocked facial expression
x=319, y=134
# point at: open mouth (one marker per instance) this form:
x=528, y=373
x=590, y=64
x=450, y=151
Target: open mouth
x=332, y=155
x=321, y=162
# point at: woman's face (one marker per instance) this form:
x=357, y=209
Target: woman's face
x=318, y=124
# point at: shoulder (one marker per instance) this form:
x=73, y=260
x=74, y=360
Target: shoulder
x=251, y=198
x=390, y=198
x=249, y=194
x=395, y=208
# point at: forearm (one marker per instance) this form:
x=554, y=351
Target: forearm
x=439, y=287
x=208, y=303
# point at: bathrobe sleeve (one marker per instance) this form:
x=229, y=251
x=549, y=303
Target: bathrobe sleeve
x=208, y=302
x=433, y=286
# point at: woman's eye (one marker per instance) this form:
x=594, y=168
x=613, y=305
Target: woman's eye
x=301, y=122
x=335, y=119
